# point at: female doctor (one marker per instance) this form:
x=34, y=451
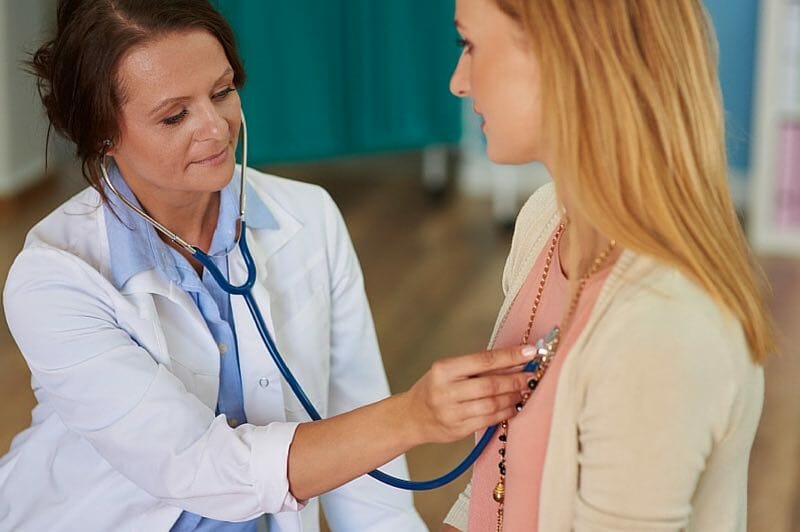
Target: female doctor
x=158, y=407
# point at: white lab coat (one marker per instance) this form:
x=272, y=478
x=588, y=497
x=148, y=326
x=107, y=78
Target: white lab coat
x=124, y=435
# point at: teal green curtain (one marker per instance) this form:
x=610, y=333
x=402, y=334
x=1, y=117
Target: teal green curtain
x=735, y=22
x=339, y=77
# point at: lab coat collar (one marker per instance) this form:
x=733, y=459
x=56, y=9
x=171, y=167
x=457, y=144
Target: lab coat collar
x=270, y=227
x=265, y=242
x=135, y=245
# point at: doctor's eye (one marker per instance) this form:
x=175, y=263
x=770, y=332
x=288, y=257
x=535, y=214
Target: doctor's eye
x=175, y=119
x=223, y=93
x=464, y=43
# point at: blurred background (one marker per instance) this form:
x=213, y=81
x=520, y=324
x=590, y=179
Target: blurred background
x=353, y=95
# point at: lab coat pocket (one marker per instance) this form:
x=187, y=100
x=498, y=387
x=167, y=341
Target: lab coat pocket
x=201, y=385
x=136, y=315
x=187, y=338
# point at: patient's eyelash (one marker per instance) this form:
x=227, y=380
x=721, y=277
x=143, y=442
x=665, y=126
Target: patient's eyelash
x=465, y=44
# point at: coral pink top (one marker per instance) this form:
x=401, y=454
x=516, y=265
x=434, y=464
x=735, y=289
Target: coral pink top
x=529, y=431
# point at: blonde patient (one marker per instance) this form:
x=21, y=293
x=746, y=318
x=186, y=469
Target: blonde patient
x=631, y=268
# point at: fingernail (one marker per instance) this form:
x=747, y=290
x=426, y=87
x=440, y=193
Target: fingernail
x=528, y=351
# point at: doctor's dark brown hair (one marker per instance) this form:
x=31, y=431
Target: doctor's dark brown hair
x=76, y=70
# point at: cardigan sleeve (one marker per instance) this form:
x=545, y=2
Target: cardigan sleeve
x=657, y=398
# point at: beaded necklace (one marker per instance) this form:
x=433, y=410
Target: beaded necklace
x=545, y=351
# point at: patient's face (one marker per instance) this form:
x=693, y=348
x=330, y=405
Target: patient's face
x=499, y=72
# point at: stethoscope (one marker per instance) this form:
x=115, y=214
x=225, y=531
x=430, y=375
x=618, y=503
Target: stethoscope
x=245, y=290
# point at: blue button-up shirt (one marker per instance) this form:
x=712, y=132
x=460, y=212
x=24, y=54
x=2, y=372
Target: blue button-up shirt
x=136, y=247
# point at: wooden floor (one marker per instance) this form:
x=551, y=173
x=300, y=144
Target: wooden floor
x=432, y=269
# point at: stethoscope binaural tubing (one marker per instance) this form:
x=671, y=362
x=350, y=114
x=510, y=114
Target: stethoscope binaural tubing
x=245, y=290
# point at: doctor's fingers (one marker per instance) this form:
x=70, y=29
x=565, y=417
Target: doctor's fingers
x=488, y=386
x=463, y=366
x=482, y=413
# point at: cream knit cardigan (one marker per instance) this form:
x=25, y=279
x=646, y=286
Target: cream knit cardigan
x=657, y=404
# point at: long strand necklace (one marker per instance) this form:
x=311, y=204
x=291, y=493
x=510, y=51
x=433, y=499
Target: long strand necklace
x=545, y=351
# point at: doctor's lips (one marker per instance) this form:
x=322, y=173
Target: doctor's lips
x=214, y=159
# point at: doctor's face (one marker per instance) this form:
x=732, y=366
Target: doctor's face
x=499, y=71
x=179, y=119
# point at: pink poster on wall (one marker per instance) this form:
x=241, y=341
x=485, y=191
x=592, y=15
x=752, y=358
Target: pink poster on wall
x=788, y=190
x=788, y=163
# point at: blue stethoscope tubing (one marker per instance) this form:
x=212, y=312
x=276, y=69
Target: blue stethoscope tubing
x=245, y=290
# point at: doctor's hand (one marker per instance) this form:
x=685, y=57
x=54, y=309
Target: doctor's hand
x=455, y=398
x=462, y=395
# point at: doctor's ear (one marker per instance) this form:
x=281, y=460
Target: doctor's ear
x=107, y=147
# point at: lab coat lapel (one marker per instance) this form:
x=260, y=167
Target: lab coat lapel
x=263, y=244
x=264, y=403
x=270, y=241
x=238, y=275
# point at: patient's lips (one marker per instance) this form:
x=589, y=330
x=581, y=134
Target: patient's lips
x=483, y=120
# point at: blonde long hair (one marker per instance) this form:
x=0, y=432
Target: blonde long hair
x=634, y=109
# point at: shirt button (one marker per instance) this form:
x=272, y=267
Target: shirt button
x=263, y=382
x=222, y=349
x=233, y=422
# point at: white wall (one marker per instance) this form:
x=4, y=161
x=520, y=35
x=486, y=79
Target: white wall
x=23, y=26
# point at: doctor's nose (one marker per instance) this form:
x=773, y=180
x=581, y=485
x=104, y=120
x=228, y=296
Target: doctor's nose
x=212, y=125
x=459, y=81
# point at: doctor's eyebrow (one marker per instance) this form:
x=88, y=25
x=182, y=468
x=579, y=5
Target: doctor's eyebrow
x=169, y=101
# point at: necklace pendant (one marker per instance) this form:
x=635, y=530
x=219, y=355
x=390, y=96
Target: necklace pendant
x=546, y=347
x=541, y=348
x=551, y=338
x=499, y=493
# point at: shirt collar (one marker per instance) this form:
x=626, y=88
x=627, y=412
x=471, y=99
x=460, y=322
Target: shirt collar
x=134, y=245
x=257, y=214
